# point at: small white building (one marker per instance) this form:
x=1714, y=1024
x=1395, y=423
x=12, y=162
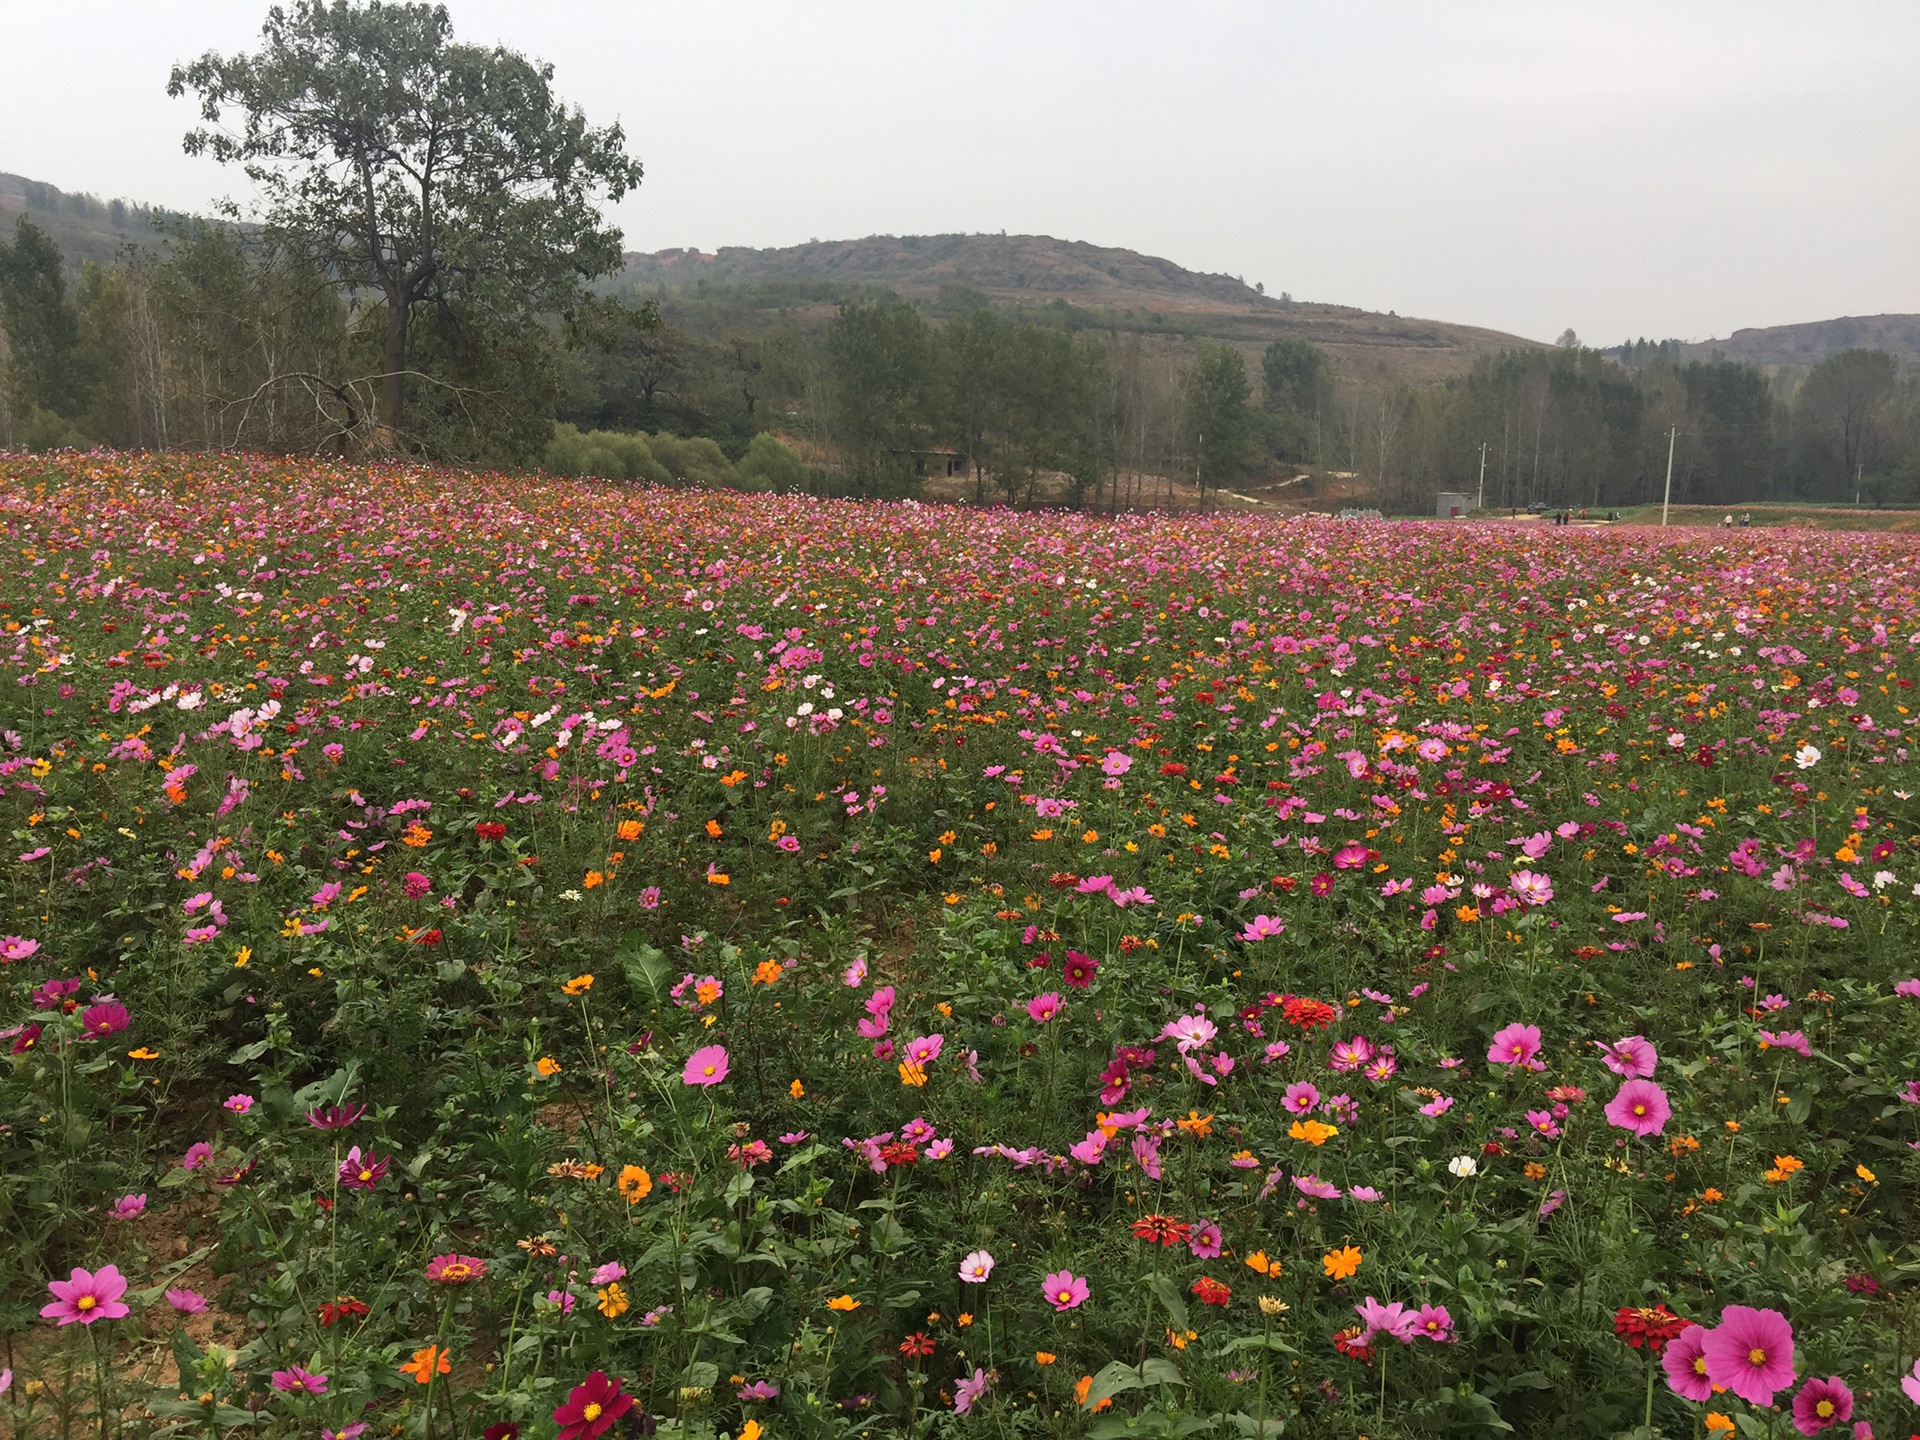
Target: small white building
x=1452, y=505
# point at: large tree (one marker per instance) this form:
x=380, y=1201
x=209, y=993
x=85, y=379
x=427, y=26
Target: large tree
x=430, y=173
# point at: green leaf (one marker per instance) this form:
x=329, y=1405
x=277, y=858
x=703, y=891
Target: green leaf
x=1169, y=1296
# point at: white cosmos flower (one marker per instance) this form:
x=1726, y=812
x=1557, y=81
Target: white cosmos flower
x=1465, y=1166
x=1807, y=756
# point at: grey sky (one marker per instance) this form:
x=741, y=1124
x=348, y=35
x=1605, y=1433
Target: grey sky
x=1623, y=169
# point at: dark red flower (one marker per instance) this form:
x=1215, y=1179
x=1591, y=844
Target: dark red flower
x=1174, y=768
x=917, y=1346
x=592, y=1407
x=26, y=1039
x=490, y=830
x=900, y=1153
x=1079, y=969
x=427, y=937
x=501, y=1430
x=1063, y=880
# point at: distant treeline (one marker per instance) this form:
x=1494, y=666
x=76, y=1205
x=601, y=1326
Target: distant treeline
x=223, y=336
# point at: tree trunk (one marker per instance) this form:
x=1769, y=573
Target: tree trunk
x=393, y=394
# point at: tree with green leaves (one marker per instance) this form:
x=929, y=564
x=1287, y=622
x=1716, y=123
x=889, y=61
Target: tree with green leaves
x=1299, y=389
x=437, y=176
x=42, y=324
x=1218, y=420
x=881, y=357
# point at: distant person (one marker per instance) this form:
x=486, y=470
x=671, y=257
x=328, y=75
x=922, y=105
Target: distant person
x=1727, y=524
x=1746, y=519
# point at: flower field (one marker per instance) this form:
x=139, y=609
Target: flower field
x=489, y=956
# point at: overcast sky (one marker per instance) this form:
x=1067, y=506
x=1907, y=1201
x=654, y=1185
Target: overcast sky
x=1623, y=169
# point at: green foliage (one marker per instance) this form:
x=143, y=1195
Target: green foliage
x=1217, y=416
x=41, y=323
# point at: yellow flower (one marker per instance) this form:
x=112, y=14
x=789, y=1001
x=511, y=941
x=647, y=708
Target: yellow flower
x=963, y=1319
x=1044, y=1357
x=1314, y=1132
x=1272, y=1305
x=797, y=1090
x=613, y=1301
x=843, y=1303
x=1196, y=1124
x=767, y=972
x=1341, y=1263
x=629, y=829
x=912, y=1074
x=579, y=985
x=1865, y=1174
x=547, y=1066
x=719, y=877
x=593, y=878
x=1716, y=1422
x=934, y=855
x=143, y=1053
x=1258, y=1261
x=750, y=1431
x=634, y=1183
x=241, y=957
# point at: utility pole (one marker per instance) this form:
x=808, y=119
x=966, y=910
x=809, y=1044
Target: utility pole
x=1859, y=471
x=1480, y=502
x=1671, y=434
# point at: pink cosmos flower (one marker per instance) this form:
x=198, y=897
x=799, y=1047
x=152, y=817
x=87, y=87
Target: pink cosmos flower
x=976, y=1267
x=1792, y=1040
x=1640, y=1106
x=923, y=1050
x=855, y=975
x=1634, y=1058
x=197, y=1155
x=706, y=1066
x=1042, y=1008
x=108, y=1017
x=1315, y=1188
x=1190, y=1032
x=238, y=1104
x=86, y=1296
x=1350, y=856
x=1437, y=1106
x=1685, y=1362
x=608, y=1273
x=1821, y=1403
x=1065, y=1290
x=1750, y=1352
x=1350, y=1055
x=296, y=1380
x=1263, y=927
x=1515, y=1045
x=969, y=1390
x=187, y=1302
x=1532, y=888
x=363, y=1170
x=128, y=1206
x=650, y=898
x=1079, y=969
x=1301, y=1097
x=17, y=947
x=1911, y=1383
x=1204, y=1240
x=1390, y=1319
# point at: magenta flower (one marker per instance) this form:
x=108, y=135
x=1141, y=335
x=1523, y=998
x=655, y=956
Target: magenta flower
x=1750, y=1352
x=1640, y=1106
x=417, y=885
x=1065, y=1290
x=334, y=1117
x=1078, y=970
x=129, y=1206
x=1301, y=1097
x=1042, y=1008
x=363, y=1170
x=17, y=947
x=608, y=1273
x=109, y=1017
x=197, y=1155
x=1263, y=927
x=295, y=1380
x=1204, y=1240
x=1633, y=1058
x=238, y=1104
x=706, y=1066
x=1685, y=1362
x=187, y=1302
x=1515, y=1045
x=1821, y=1403
x=1435, y=1323
x=1793, y=1040
x=87, y=1296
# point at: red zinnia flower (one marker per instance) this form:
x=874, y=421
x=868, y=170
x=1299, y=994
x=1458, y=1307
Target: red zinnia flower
x=592, y=1407
x=1308, y=1014
x=1652, y=1327
x=490, y=830
x=1210, y=1291
x=1349, y=1343
x=899, y=1153
x=344, y=1307
x=917, y=1346
x=1161, y=1229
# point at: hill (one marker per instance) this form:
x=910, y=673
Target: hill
x=1096, y=284
x=83, y=226
x=1813, y=341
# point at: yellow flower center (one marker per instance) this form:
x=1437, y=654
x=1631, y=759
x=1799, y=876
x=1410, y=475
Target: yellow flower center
x=1064, y=1296
x=366, y=1174
x=1700, y=1365
x=1824, y=1409
x=85, y=1302
x=457, y=1272
x=1756, y=1356
x=708, y=1070
x=1639, y=1109
x=592, y=1411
